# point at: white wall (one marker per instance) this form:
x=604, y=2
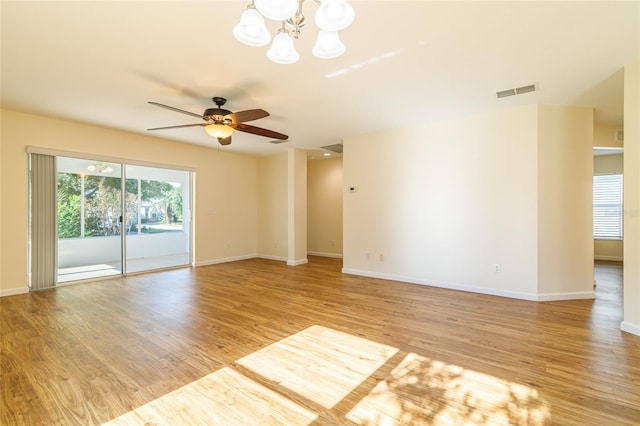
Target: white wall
x=74, y=252
x=631, y=272
x=297, y=207
x=607, y=164
x=272, y=207
x=282, y=207
x=443, y=204
x=565, y=202
x=1, y=209
x=605, y=135
x=225, y=189
x=325, y=207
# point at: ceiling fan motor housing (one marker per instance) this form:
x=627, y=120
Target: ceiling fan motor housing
x=216, y=115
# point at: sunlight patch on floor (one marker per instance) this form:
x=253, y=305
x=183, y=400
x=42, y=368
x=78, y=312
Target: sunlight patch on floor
x=320, y=364
x=421, y=391
x=302, y=378
x=225, y=397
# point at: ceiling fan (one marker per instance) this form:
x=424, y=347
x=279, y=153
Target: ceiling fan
x=220, y=123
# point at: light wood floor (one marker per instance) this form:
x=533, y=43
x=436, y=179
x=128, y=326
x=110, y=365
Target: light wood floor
x=257, y=342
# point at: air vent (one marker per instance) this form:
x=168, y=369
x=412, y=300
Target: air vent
x=505, y=93
x=619, y=135
x=517, y=91
x=335, y=148
x=526, y=89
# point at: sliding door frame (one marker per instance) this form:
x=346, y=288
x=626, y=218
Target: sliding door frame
x=123, y=163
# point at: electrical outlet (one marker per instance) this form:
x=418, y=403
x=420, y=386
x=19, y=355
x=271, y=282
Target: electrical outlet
x=381, y=257
x=367, y=255
x=497, y=268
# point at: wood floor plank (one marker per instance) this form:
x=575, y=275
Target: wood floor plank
x=258, y=342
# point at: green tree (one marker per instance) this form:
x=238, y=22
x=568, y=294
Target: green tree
x=102, y=205
x=69, y=216
x=68, y=184
x=165, y=197
x=69, y=199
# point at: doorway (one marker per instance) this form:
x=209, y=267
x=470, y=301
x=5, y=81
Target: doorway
x=117, y=218
x=158, y=225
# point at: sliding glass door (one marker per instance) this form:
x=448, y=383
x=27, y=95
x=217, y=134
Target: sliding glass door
x=89, y=202
x=97, y=237
x=158, y=218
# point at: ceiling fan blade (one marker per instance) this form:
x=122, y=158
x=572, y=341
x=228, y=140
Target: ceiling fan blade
x=176, y=127
x=248, y=115
x=260, y=131
x=176, y=109
x=224, y=141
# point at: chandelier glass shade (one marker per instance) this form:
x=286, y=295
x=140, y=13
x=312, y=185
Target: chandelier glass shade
x=282, y=50
x=100, y=167
x=332, y=16
x=251, y=30
x=221, y=131
x=328, y=45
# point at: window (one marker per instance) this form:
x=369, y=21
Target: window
x=607, y=207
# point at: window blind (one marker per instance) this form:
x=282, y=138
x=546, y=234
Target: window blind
x=607, y=207
x=44, y=262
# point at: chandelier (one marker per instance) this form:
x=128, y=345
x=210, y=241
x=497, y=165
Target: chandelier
x=100, y=167
x=331, y=17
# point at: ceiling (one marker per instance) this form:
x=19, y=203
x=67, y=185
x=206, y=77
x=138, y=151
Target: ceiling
x=407, y=63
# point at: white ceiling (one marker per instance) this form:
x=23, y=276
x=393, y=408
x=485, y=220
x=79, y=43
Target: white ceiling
x=407, y=63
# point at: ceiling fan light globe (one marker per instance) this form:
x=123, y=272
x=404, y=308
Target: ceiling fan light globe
x=277, y=10
x=334, y=15
x=251, y=29
x=328, y=45
x=282, y=50
x=335, y=10
x=219, y=130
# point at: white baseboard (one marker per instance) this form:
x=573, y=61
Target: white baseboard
x=252, y=256
x=450, y=286
x=550, y=297
x=14, y=292
x=270, y=257
x=609, y=258
x=482, y=290
x=321, y=254
x=224, y=260
x=630, y=328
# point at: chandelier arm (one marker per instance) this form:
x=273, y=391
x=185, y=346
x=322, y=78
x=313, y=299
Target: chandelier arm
x=332, y=16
